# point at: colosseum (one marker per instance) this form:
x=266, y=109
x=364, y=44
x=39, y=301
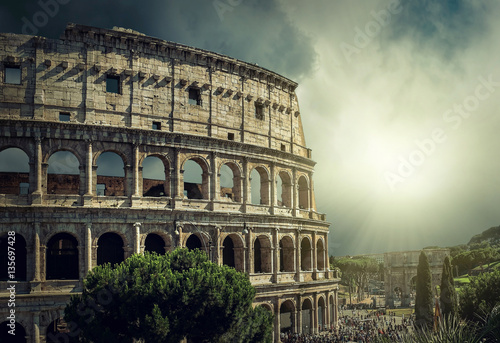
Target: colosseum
x=113, y=143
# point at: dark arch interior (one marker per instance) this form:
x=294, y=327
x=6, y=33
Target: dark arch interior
x=5, y=336
x=228, y=252
x=154, y=243
x=257, y=256
x=193, y=242
x=62, y=257
x=110, y=249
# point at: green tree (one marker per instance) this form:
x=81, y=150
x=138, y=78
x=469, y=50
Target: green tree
x=480, y=296
x=164, y=298
x=448, y=296
x=423, y=297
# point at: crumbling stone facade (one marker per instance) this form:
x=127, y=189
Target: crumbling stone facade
x=401, y=271
x=68, y=106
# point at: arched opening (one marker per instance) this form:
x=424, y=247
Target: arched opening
x=62, y=257
x=287, y=256
x=286, y=316
x=63, y=173
x=303, y=193
x=154, y=243
x=230, y=182
x=321, y=315
x=110, y=249
x=195, y=180
x=262, y=255
x=110, y=175
x=398, y=296
x=5, y=336
x=320, y=255
x=307, y=320
x=154, y=177
x=14, y=172
x=194, y=242
x=284, y=189
x=305, y=254
x=259, y=186
x=413, y=287
x=59, y=331
x=228, y=252
x=14, y=243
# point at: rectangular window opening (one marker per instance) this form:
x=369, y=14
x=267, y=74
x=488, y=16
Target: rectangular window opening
x=283, y=147
x=194, y=96
x=113, y=84
x=230, y=136
x=64, y=116
x=156, y=125
x=24, y=188
x=101, y=189
x=13, y=75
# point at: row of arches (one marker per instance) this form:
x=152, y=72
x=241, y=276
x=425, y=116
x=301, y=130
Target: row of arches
x=56, y=331
x=65, y=175
x=62, y=253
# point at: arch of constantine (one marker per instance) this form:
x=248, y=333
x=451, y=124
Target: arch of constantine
x=114, y=143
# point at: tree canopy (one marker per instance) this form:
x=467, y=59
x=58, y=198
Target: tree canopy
x=480, y=296
x=164, y=298
x=423, y=299
x=448, y=296
x=356, y=271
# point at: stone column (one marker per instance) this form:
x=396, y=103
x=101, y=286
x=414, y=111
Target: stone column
x=36, y=196
x=273, y=189
x=335, y=308
x=327, y=310
x=277, y=324
x=36, y=327
x=88, y=249
x=294, y=186
x=246, y=194
x=314, y=252
x=136, y=170
x=299, y=314
x=295, y=318
x=276, y=253
x=297, y=255
x=137, y=238
x=89, y=170
x=214, y=194
x=315, y=321
x=250, y=263
x=36, y=253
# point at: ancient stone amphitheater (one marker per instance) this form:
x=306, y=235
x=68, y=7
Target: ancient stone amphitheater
x=114, y=143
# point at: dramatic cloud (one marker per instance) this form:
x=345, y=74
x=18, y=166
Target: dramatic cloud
x=399, y=100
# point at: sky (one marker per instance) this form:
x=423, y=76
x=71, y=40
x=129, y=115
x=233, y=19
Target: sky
x=399, y=99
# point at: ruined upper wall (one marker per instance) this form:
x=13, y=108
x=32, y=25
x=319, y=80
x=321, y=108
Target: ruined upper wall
x=237, y=100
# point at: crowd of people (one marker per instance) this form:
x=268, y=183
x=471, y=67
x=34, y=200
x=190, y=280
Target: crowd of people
x=360, y=326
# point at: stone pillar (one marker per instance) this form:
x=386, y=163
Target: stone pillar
x=89, y=170
x=277, y=324
x=314, y=252
x=297, y=255
x=276, y=256
x=137, y=238
x=327, y=310
x=299, y=314
x=295, y=317
x=214, y=193
x=88, y=249
x=250, y=263
x=335, y=308
x=273, y=189
x=136, y=170
x=36, y=196
x=245, y=194
x=294, y=192
x=36, y=327
x=36, y=253
x=315, y=321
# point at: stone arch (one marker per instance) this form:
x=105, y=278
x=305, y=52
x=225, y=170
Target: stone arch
x=63, y=172
x=59, y=331
x=14, y=170
x=305, y=254
x=230, y=181
x=262, y=254
x=154, y=243
x=287, y=318
x=111, y=173
x=21, y=256
x=287, y=254
x=233, y=251
x=20, y=333
x=62, y=257
x=196, y=187
x=303, y=188
x=166, y=237
x=110, y=248
x=284, y=179
x=155, y=177
x=197, y=240
x=259, y=185
x=320, y=254
x=307, y=316
x=331, y=309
